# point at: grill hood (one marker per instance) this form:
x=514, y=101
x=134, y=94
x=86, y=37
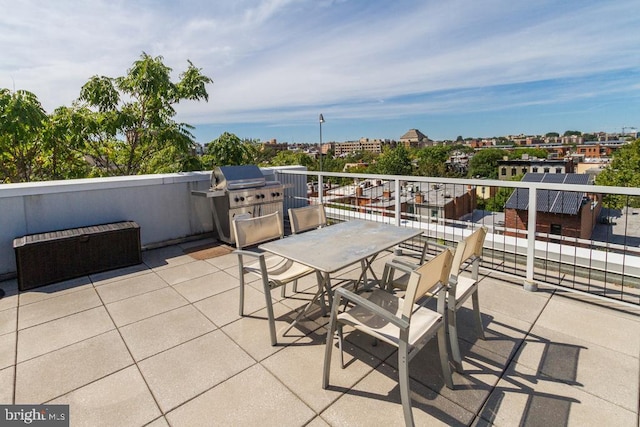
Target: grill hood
x=237, y=177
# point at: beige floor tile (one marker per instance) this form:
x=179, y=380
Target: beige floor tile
x=186, y=271
x=224, y=262
x=7, y=350
x=55, y=290
x=185, y=371
x=253, y=397
x=58, y=307
x=482, y=370
x=590, y=367
x=159, y=422
x=6, y=385
x=376, y=401
x=120, y=399
x=46, y=337
x=54, y=374
x=10, y=298
x=146, y=305
x=252, y=332
x=596, y=326
x=206, y=286
x=223, y=308
x=503, y=334
x=129, y=287
x=318, y=422
x=300, y=367
x=167, y=257
x=523, y=398
x=511, y=300
x=118, y=274
x=158, y=333
x=8, y=320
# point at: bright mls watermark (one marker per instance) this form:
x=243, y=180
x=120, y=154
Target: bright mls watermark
x=34, y=415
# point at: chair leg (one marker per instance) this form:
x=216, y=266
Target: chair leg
x=444, y=358
x=478, y=316
x=270, y=315
x=453, y=338
x=329, y=344
x=403, y=373
x=295, y=286
x=241, y=310
x=283, y=291
x=340, y=343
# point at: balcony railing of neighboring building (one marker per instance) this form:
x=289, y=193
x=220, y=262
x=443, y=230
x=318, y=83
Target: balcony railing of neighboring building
x=579, y=244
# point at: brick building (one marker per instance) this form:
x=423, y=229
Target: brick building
x=563, y=213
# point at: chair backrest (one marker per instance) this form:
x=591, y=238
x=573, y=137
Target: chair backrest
x=425, y=278
x=307, y=218
x=469, y=248
x=252, y=231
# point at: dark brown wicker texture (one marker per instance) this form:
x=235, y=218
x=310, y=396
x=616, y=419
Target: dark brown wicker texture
x=60, y=255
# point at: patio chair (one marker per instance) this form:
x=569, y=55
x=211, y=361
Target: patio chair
x=304, y=219
x=274, y=270
x=307, y=218
x=468, y=252
x=399, y=322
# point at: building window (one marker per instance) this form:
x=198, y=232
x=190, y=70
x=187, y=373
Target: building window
x=503, y=172
x=534, y=170
x=556, y=229
x=524, y=170
x=546, y=170
x=434, y=213
x=558, y=170
x=513, y=172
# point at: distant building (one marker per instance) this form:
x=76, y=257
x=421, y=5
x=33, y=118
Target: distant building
x=364, y=144
x=274, y=145
x=415, y=138
x=508, y=168
x=562, y=213
x=599, y=149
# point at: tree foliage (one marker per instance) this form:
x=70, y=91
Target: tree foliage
x=432, y=160
x=127, y=122
x=22, y=121
x=228, y=150
x=394, y=161
x=623, y=171
x=485, y=163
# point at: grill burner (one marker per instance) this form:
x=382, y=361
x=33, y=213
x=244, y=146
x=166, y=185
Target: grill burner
x=240, y=190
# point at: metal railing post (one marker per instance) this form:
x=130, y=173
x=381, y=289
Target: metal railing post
x=398, y=198
x=529, y=283
x=320, y=189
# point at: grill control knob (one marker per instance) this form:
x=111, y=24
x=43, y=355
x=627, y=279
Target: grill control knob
x=236, y=199
x=242, y=199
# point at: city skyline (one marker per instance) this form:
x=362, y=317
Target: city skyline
x=373, y=69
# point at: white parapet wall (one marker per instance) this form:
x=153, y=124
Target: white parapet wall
x=162, y=206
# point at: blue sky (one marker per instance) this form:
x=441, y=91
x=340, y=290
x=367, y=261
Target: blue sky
x=373, y=68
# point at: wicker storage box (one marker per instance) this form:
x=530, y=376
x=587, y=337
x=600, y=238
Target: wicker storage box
x=60, y=255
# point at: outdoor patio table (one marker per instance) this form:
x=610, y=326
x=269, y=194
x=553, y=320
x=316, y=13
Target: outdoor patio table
x=330, y=249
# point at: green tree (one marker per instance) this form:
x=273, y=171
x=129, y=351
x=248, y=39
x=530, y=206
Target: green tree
x=287, y=158
x=228, y=150
x=394, y=161
x=623, y=171
x=572, y=132
x=129, y=119
x=432, y=160
x=552, y=134
x=540, y=153
x=63, y=142
x=22, y=121
x=485, y=163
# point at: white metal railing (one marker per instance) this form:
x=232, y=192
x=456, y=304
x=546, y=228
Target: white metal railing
x=604, y=267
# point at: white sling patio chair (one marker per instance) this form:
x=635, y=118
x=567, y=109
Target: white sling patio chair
x=307, y=218
x=398, y=321
x=461, y=287
x=304, y=219
x=274, y=270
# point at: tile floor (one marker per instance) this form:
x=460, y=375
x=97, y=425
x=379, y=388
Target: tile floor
x=162, y=344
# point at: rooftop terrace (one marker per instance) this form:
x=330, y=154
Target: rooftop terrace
x=162, y=344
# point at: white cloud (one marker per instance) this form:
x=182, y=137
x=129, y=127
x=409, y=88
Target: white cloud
x=276, y=60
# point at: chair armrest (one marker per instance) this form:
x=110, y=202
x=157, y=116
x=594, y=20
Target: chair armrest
x=374, y=308
x=248, y=253
x=398, y=263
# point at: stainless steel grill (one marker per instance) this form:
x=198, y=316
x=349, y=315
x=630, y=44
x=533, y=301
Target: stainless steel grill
x=240, y=190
